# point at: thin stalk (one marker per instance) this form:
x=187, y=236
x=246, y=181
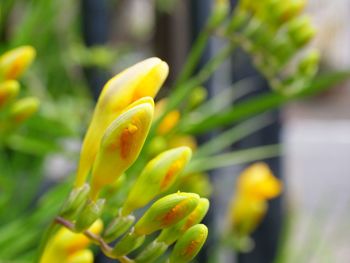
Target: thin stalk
x=182, y=91
x=233, y=135
x=233, y=158
x=193, y=58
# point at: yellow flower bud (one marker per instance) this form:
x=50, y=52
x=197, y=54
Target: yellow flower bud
x=171, y=234
x=166, y=212
x=292, y=9
x=158, y=175
x=188, y=246
x=66, y=245
x=22, y=109
x=14, y=62
x=259, y=182
x=8, y=91
x=121, y=145
x=141, y=80
x=169, y=121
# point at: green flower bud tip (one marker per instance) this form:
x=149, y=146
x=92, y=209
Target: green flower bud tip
x=171, y=234
x=286, y=10
x=166, y=212
x=153, y=251
x=24, y=108
x=158, y=175
x=75, y=202
x=117, y=227
x=128, y=243
x=8, y=91
x=189, y=244
x=89, y=214
x=301, y=30
x=221, y=10
x=309, y=64
x=198, y=96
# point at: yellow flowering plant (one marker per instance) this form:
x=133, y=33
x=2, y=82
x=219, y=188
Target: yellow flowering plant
x=117, y=132
x=141, y=186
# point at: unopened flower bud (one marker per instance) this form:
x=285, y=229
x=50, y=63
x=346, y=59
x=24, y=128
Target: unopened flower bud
x=171, y=234
x=158, y=175
x=301, y=31
x=308, y=65
x=188, y=246
x=220, y=12
x=22, y=109
x=118, y=226
x=166, y=212
x=8, y=91
x=121, y=145
x=197, y=97
x=14, y=62
x=152, y=252
x=75, y=202
x=89, y=214
x=141, y=80
x=286, y=10
x=128, y=243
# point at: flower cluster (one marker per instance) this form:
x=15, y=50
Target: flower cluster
x=273, y=31
x=255, y=186
x=14, y=111
x=113, y=142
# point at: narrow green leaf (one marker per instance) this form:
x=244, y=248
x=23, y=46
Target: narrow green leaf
x=261, y=104
x=233, y=158
x=233, y=135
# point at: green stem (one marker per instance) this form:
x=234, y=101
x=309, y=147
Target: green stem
x=193, y=58
x=182, y=91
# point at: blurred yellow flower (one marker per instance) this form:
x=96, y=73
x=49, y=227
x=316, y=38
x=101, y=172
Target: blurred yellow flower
x=14, y=62
x=69, y=247
x=255, y=186
x=169, y=121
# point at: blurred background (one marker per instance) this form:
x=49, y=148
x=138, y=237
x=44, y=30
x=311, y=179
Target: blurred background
x=80, y=44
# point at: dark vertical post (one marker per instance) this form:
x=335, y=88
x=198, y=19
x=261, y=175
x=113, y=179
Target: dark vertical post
x=95, y=32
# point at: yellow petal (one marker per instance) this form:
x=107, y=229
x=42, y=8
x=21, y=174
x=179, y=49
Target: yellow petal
x=66, y=243
x=245, y=214
x=141, y=80
x=8, y=90
x=258, y=181
x=121, y=145
x=14, y=62
x=82, y=256
x=169, y=121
